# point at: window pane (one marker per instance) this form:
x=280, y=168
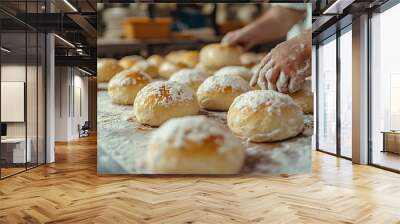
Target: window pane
x=327, y=97
x=346, y=94
x=385, y=84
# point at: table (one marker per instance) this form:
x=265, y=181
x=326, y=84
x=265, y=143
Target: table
x=17, y=150
x=391, y=141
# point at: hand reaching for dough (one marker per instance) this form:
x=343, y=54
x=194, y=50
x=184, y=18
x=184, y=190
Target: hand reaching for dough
x=243, y=37
x=286, y=66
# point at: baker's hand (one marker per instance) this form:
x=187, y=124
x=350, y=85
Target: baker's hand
x=244, y=37
x=286, y=66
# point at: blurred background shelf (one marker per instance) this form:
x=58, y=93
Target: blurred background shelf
x=121, y=47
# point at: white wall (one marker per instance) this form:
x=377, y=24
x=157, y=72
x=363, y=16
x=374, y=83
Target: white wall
x=69, y=84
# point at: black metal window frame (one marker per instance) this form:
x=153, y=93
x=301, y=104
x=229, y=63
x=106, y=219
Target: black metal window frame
x=44, y=80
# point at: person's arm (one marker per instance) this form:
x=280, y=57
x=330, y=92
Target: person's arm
x=272, y=25
x=286, y=66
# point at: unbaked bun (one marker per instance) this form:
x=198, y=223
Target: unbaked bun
x=194, y=145
x=189, y=58
x=162, y=100
x=265, y=116
x=174, y=56
x=128, y=61
x=190, y=77
x=304, y=97
x=248, y=59
x=215, y=56
x=241, y=71
x=147, y=68
x=167, y=68
x=155, y=60
x=124, y=86
x=200, y=66
x=106, y=69
x=218, y=92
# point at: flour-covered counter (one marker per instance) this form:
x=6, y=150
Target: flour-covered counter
x=122, y=143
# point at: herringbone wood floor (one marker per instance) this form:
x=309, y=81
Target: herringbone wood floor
x=70, y=191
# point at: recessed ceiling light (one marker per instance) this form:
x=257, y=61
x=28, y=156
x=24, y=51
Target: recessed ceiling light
x=64, y=40
x=5, y=49
x=71, y=6
x=84, y=71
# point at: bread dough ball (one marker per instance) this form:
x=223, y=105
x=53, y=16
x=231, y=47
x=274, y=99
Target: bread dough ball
x=189, y=58
x=218, y=92
x=194, y=145
x=106, y=69
x=162, y=100
x=215, y=56
x=304, y=97
x=174, y=56
x=124, y=86
x=241, y=71
x=147, y=68
x=265, y=116
x=128, y=61
x=167, y=68
x=190, y=77
x=155, y=60
x=249, y=59
x=200, y=66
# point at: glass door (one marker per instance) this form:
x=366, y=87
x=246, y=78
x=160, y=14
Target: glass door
x=346, y=92
x=326, y=90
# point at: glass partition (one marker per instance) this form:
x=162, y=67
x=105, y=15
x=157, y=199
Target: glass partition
x=22, y=77
x=327, y=96
x=13, y=105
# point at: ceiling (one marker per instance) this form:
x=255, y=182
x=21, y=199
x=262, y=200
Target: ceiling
x=73, y=20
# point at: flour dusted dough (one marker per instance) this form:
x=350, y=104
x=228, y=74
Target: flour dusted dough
x=147, y=68
x=218, y=92
x=162, y=100
x=304, y=97
x=265, y=116
x=167, y=68
x=215, y=56
x=106, y=69
x=155, y=60
x=124, y=86
x=194, y=145
x=241, y=71
x=127, y=61
x=190, y=77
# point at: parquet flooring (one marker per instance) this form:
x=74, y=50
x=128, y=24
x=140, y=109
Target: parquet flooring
x=70, y=191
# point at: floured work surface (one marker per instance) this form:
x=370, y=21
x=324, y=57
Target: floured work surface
x=125, y=140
